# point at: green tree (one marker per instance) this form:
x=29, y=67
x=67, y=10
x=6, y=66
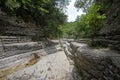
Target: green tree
x=81, y=27
x=46, y=14
x=95, y=20
x=83, y=4
x=68, y=29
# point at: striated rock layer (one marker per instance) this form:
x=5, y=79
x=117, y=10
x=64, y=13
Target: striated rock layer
x=95, y=64
x=110, y=36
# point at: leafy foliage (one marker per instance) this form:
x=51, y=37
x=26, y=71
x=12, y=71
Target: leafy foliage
x=68, y=29
x=83, y=4
x=46, y=14
x=87, y=25
x=92, y=21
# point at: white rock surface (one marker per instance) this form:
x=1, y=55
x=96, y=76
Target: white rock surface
x=51, y=67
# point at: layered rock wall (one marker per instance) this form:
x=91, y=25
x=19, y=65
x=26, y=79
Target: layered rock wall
x=95, y=64
x=110, y=36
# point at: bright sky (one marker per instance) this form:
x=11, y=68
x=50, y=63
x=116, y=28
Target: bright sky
x=72, y=12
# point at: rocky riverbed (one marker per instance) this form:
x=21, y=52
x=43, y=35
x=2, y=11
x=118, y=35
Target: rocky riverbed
x=45, y=64
x=51, y=67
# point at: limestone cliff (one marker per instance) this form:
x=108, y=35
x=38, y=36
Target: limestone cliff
x=9, y=26
x=111, y=34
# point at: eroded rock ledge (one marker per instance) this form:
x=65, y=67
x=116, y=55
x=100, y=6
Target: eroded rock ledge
x=95, y=64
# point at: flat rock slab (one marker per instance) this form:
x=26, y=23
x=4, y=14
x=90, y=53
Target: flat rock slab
x=51, y=67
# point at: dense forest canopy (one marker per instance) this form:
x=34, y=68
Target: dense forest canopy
x=100, y=22
x=49, y=16
x=46, y=14
x=84, y=4
x=88, y=24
